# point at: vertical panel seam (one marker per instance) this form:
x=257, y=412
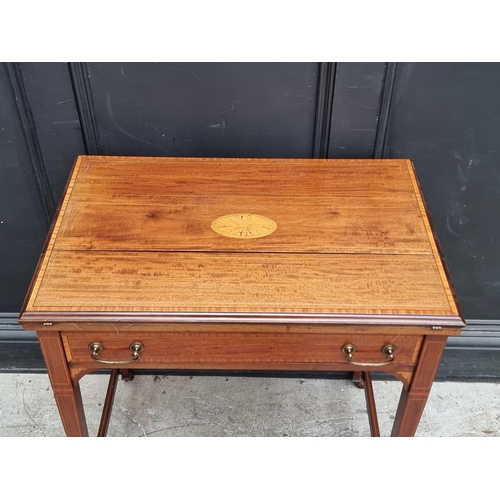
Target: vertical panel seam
x=82, y=90
x=324, y=108
x=29, y=130
x=386, y=100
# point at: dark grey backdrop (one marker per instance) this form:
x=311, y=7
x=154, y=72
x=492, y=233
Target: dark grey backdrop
x=445, y=117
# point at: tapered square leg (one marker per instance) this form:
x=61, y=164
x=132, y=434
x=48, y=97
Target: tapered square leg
x=66, y=391
x=413, y=399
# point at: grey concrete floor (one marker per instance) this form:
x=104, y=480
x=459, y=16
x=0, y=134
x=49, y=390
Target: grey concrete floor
x=159, y=405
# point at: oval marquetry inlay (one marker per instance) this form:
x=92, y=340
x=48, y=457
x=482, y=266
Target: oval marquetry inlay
x=244, y=226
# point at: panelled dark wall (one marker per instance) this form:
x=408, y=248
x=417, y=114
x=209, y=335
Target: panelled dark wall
x=51, y=99
x=356, y=109
x=24, y=214
x=446, y=117
x=202, y=109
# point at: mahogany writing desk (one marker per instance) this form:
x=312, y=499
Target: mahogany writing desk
x=247, y=264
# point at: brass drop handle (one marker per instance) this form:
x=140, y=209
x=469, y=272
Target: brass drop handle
x=96, y=348
x=350, y=349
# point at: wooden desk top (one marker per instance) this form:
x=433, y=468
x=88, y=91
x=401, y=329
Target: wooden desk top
x=135, y=240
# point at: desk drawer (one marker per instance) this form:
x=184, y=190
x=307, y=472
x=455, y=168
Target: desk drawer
x=229, y=348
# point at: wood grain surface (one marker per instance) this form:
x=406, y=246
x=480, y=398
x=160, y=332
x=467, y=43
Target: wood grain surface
x=342, y=224
x=159, y=179
x=195, y=348
x=133, y=234
x=192, y=281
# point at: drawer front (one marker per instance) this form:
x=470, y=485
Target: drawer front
x=228, y=348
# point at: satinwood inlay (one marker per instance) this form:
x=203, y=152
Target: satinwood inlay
x=244, y=226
